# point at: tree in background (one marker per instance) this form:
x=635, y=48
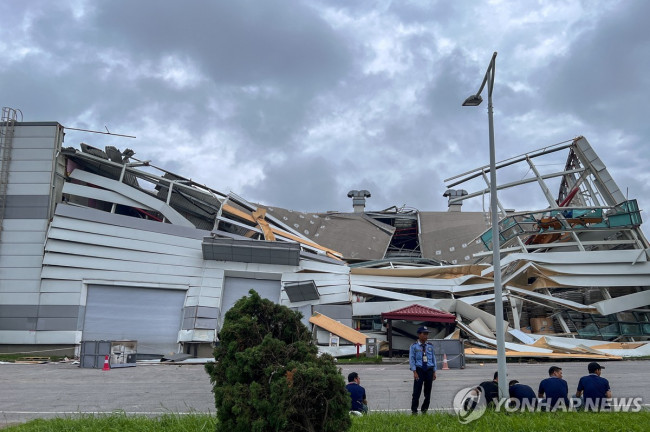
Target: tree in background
x=268, y=376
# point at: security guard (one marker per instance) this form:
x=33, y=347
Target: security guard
x=422, y=361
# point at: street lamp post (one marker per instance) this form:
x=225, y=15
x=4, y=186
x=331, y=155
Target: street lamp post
x=475, y=100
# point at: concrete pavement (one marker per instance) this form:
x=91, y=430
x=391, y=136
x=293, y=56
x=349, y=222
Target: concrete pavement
x=48, y=390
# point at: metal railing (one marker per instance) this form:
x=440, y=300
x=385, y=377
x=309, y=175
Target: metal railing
x=7, y=123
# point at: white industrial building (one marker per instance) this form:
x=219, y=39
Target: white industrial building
x=98, y=245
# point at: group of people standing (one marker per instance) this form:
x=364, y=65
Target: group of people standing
x=593, y=391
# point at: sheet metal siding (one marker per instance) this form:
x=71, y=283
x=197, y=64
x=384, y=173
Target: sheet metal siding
x=86, y=216
x=200, y=317
x=236, y=288
x=102, y=250
x=132, y=193
x=24, y=230
x=27, y=206
x=332, y=287
x=33, y=154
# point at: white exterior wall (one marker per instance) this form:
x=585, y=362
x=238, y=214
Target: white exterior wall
x=24, y=227
x=81, y=252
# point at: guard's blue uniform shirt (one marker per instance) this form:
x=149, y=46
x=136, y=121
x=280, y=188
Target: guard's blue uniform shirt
x=595, y=390
x=554, y=389
x=416, y=354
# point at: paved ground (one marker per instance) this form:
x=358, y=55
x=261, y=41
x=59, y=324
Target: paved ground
x=43, y=391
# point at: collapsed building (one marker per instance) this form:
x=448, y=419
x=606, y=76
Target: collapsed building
x=96, y=244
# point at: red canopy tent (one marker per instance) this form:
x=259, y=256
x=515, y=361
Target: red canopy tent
x=414, y=313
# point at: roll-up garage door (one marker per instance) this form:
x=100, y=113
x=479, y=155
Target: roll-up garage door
x=152, y=316
x=236, y=288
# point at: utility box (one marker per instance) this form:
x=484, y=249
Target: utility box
x=123, y=353
x=451, y=348
x=120, y=353
x=371, y=347
x=93, y=354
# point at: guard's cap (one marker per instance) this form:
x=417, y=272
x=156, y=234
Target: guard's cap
x=423, y=329
x=593, y=367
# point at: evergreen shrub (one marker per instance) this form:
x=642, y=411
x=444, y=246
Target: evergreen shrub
x=267, y=374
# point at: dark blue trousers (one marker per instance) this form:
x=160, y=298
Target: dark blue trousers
x=425, y=380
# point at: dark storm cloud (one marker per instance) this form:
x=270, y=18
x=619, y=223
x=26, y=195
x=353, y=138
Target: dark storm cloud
x=605, y=72
x=603, y=81
x=296, y=103
x=298, y=180
x=244, y=42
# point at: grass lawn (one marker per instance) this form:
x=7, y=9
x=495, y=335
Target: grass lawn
x=375, y=422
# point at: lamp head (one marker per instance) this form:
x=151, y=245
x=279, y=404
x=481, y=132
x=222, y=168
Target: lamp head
x=473, y=100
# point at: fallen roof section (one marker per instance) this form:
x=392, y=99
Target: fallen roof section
x=486, y=353
x=337, y=328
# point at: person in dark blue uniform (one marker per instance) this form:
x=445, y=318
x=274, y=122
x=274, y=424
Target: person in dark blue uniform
x=522, y=396
x=490, y=390
x=595, y=388
x=555, y=389
x=357, y=393
x=422, y=362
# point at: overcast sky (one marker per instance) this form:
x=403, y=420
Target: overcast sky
x=294, y=103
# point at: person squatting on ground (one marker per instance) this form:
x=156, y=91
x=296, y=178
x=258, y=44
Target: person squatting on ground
x=487, y=393
x=422, y=361
x=490, y=390
x=357, y=393
x=595, y=388
x=554, y=391
x=522, y=396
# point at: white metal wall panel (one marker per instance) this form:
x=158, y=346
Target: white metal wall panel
x=19, y=298
x=114, y=231
x=28, y=189
x=24, y=177
x=22, y=236
x=21, y=166
x=52, y=272
x=26, y=225
x=57, y=337
x=60, y=286
x=115, y=241
x=32, y=136
x=28, y=154
x=128, y=264
x=98, y=251
x=59, y=298
x=100, y=194
x=171, y=214
x=10, y=285
x=20, y=248
x=20, y=261
x=25, y=273
x=236, y=288
x=149, y=315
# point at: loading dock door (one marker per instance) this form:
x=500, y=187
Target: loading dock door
x=236, y=288
x=152, y=316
